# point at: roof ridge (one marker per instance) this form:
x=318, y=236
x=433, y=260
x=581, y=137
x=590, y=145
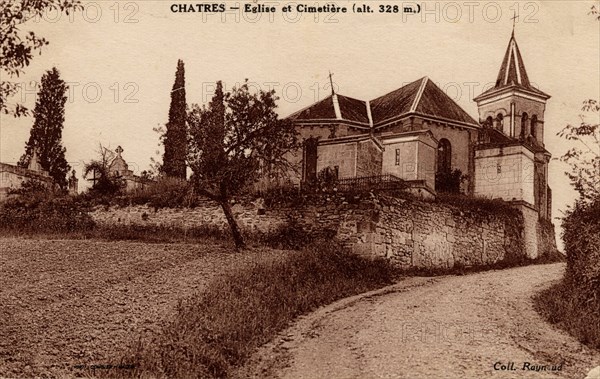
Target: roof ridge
x=369, y=114
x=336, y=106
x=469, y=120
x=417, y=99
x=397, y=89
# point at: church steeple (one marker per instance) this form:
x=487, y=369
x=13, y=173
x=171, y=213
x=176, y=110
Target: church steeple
x=515, y=109
x=513, y=105
x=512, y=71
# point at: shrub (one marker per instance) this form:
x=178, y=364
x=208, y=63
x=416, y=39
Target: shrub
x=37, y=212
x=104, y=183
x=478, y=204
x=449, y=181
x=580, y=318
x=574, y=304
x=164, y=193
x=582, y=243
x=217, y=330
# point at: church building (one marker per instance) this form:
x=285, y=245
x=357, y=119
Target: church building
x=417, y=133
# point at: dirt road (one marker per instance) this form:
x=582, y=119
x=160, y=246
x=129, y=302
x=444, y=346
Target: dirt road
x=474, y=326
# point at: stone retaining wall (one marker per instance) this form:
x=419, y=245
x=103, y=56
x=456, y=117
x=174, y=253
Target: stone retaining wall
x=410, y=233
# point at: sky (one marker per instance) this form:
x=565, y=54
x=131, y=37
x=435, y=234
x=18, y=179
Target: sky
x=119, y=59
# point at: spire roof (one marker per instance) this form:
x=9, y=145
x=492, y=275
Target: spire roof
x=512, y=72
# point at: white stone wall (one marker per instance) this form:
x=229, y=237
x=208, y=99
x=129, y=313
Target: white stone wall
x=505, y=173
x=530, y=232
x=11, y=180
x=12, y=177
x=341, y=155
x=407, y=169
x=427, y=162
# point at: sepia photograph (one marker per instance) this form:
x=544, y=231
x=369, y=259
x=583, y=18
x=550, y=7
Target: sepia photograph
x=289, y=189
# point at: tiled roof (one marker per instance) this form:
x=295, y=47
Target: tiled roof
x=395, y=103
x=353, y=109
x=350, y=110
x=318, y=111
x=421, y=97
x=435, y=102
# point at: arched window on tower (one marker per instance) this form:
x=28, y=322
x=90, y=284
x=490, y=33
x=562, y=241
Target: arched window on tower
x=444, y=156
x=500, y=122
x=533, y=131
x=489, y=122
x=524, y=119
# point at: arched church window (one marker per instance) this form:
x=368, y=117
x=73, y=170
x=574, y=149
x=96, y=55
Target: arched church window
x=524, y=119
x=500, y=121
x=534, y=121
x=444, y=156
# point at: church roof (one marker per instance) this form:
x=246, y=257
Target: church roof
x=395, y=103
x=350, y=110
x=432, y=101
x=512, y=73
x=353, y=109
x=421, y=97
x=321, y=110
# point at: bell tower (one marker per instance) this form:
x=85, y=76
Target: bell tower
x=514, y=106
x=511, y=139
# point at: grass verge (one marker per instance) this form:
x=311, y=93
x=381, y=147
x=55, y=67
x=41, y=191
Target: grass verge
x=138, y=233
x=216, y=331
x=559, y=305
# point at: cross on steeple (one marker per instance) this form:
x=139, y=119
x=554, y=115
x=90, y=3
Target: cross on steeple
x=514, y=18
x=331, y=83
x=119, y=150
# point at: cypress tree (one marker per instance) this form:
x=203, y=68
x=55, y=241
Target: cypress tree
x=175, y=139
x=46, y=133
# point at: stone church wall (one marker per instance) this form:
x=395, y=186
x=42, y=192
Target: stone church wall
x=369, y=159
x=460, y=140
x=410, y=233
x=506, y=173
x=342, y=156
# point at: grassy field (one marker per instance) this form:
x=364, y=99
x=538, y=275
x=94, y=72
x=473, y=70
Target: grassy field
x=67, y=304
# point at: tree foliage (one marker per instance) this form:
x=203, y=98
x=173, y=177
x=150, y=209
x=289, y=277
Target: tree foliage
x=103, y=183
x=584, y=157
x=449, y=181
x=46, y=133
x=18, y=47
x=175, y=137
x=234, y=141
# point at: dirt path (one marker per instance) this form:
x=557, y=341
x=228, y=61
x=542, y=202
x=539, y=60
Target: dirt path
x=447, y=327
x=69, y=303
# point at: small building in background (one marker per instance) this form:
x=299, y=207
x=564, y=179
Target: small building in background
x=118, y=168
x=12, y=177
